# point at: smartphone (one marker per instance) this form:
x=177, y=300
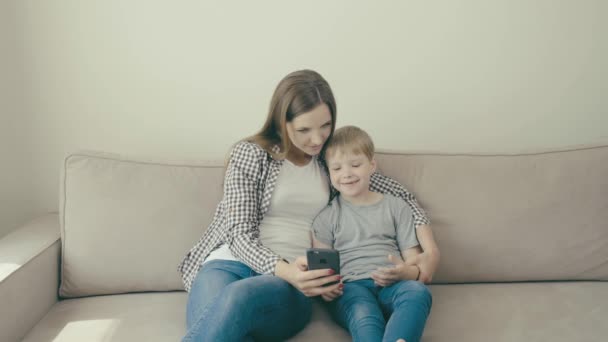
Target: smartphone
x=322, y=258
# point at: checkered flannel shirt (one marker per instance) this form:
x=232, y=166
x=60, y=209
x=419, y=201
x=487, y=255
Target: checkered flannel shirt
x=248, y=185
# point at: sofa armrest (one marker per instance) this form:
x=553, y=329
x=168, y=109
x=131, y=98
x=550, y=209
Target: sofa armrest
x=29, y=275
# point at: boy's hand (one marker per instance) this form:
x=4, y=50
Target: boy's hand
x=387, y=276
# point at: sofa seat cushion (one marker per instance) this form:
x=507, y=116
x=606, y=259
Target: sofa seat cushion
x=131, y=317
x=501, y=312
x=142, y=317
x=552, y=311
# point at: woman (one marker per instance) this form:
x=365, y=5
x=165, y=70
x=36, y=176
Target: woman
x=246, y=277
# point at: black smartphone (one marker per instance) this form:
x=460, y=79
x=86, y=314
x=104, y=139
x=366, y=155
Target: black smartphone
x=322, y=258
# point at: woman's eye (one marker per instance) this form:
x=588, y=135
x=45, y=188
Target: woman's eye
x=303, y=130
x=336, y=169
x=356, y=165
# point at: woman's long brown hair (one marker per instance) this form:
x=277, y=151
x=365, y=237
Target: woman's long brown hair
x=299, y=92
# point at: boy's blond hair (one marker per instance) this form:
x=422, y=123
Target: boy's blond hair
x=350, y=139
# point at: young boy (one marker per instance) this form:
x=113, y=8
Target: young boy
x=374, y=233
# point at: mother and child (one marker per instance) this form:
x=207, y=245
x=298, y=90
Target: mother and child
x=247, y=277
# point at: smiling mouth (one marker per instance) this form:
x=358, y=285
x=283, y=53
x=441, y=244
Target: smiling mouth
x=350, y=183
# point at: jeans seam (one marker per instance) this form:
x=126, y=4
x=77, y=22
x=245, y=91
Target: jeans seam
x=197, y=324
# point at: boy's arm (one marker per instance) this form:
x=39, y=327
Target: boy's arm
x=411, y=252
x=318, y=244
x=321, y=229
x=429, y=259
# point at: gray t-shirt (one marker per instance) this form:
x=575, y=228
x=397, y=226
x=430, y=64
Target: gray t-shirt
x=366, y=235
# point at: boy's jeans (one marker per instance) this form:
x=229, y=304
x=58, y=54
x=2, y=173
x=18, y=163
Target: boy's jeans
x=364, y=308
x=228, y=301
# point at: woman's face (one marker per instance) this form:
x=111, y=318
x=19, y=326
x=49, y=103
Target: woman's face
x=309, y=131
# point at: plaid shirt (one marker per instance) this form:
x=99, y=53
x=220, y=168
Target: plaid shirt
x=248, y=185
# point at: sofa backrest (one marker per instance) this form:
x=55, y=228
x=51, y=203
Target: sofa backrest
x=126, y=223
x=496, y=218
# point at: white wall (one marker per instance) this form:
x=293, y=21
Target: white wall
x=185, y=79
x=15, y=191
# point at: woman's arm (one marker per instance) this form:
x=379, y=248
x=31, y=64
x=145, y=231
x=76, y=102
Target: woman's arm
x=241, y=207
x=428, y=260
x=387, y=185
x=327, y=295
x=242, y=223
x=310, y=283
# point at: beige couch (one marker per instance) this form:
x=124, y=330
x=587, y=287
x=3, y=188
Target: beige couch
x=524, y=241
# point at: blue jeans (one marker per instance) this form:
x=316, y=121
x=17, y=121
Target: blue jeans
x=364, y=309
x=228, y=301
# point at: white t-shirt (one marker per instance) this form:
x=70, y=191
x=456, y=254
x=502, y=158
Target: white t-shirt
x=300, y=193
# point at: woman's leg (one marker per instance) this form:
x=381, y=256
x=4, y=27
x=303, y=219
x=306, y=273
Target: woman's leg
x=211, y=279
x=264, y=307
x=408, y=303
x=358, y=311
x=279, y=310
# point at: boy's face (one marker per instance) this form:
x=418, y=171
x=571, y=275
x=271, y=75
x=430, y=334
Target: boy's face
x=350, y=173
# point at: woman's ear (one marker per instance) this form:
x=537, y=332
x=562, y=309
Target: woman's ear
x=373, y=162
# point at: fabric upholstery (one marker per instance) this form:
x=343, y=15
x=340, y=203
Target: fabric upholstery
x=127, y=224
x=29, y=275
x=526, y=217
x=541, y=218
x=553, y=311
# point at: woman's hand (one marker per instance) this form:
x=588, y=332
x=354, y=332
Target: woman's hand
x=387, y=276
x=310, y=283
x=427, y=261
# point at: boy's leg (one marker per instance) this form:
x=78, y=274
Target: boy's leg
x=265, y=307
x=408, y=303
x=358, y=311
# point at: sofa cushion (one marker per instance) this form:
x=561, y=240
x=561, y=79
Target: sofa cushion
x=534, y=216
x=128, y=317
x=544, y=311
x=127, y=223
x=569, y=311
x=143, y=317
